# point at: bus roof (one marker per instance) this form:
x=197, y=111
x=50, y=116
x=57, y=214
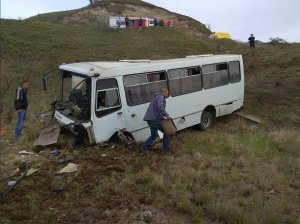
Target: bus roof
x=116, y=68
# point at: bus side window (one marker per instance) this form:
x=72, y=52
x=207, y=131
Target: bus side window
x=184, y=80
x=215, y=75
x=234, y=72
x=140, y=88
x=108, y=99
x=192, y=71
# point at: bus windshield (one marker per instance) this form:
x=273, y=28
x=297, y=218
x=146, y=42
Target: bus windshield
x=75, y=95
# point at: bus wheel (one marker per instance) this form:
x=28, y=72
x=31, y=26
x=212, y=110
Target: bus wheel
x=207, y=120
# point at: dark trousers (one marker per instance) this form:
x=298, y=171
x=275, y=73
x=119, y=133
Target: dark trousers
x=154, y=127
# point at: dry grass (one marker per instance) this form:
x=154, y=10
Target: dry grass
x=286, y=140
x=213, y=177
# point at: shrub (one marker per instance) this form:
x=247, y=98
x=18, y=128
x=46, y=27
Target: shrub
x=277, y=41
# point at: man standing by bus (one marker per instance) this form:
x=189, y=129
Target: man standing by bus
x=21, y=105
x=154, y=115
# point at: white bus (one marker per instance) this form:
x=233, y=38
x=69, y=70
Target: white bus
x=99, y=98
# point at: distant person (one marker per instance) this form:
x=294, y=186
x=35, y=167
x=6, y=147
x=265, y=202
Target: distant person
x=126, y=21
x=140, y=22
x=251, y=41
x=161, y=22
x=156, y=22
x=154, y=115
x=119, y=22
x=21, y=105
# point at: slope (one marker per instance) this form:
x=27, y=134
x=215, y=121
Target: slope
x=97, y=15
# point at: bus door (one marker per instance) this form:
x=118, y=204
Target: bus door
x=109, y=116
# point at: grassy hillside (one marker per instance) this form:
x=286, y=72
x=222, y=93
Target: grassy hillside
x=97, y=15
x=238, y=172
x=39, y=46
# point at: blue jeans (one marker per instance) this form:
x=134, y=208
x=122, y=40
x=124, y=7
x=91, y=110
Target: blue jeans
x=154, y=127
x=20, y=122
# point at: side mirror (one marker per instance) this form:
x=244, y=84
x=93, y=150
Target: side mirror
x=45, y=83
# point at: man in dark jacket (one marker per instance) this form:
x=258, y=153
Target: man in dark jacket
x=154, y=115
x=21, y=105
x=251, y=41
x=127, y=21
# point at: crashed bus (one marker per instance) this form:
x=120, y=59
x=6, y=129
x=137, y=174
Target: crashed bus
x=100, y=99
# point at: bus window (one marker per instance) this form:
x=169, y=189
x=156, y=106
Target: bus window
x=132, y=80
x=108, y=99
x=184, y=80
x=234, y=72
x=155, y=77
x=192, y=71
x=140, y=88
x=215, y=75
x=176, y=73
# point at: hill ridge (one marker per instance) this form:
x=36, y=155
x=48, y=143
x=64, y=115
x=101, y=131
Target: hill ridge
x=97, y=15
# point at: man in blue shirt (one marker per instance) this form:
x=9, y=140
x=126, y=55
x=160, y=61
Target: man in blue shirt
x=154, y=115
x=140, y=22
x=21, y=105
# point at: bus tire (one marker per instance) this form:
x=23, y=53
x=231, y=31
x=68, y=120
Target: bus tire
x=207, y=120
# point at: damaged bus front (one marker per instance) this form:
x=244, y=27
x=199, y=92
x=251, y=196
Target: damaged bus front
x=73, y=109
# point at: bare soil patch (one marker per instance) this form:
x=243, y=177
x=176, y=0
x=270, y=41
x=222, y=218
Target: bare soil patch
x=80, y=197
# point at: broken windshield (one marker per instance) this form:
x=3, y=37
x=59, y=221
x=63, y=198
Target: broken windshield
x=75, y=95
x=70, y=82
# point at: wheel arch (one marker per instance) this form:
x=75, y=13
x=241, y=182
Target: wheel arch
x=211, y=109
x=208, y=118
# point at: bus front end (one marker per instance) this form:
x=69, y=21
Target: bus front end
x=72, y=112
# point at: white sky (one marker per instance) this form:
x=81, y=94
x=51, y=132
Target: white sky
x=264, y=18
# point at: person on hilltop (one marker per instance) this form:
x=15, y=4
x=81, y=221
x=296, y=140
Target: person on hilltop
x=154, y=115
x=251, y=40
x=21, y=105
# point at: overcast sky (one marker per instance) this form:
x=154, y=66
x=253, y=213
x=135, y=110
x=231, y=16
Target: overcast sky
x=264, y=18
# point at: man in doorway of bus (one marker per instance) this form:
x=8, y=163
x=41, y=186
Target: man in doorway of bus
x=101, y=102
x=251, y=41
x=21, y=105
x=155, y=113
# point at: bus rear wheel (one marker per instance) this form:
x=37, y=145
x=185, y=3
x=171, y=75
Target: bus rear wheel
x=207, y=120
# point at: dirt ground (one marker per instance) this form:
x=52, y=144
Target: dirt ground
x=72, y=197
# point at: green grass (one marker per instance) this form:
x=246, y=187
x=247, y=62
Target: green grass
x=30, y=48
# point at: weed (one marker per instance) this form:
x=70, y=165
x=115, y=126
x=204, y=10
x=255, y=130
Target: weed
x=286, y=141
